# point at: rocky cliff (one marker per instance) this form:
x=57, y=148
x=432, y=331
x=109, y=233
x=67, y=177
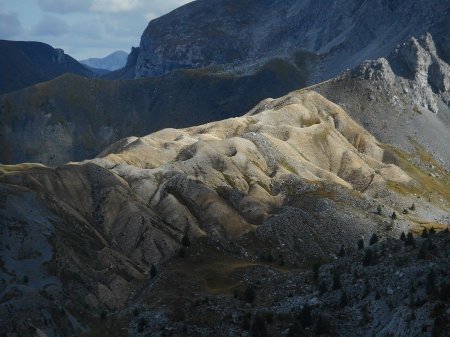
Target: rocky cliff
x=235, y=35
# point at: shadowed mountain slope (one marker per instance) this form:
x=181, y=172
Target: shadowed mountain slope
x=236, y=35
x=23, y=64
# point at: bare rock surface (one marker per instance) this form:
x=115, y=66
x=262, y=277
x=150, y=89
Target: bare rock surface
x=295, y=175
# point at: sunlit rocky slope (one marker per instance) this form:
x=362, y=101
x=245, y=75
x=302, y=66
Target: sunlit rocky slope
x=295, y=175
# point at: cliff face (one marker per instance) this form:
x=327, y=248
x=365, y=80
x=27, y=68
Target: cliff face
x=230, y=32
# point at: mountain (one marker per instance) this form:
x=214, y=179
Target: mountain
x=113, y=61
x=237, y=36
x=75, y=118
x=403, y=100
x=295, y=178
x=23, y=64
x=236, y=54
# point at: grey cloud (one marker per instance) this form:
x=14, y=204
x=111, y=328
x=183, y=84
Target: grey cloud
x=65, y=6
x=9, y=25
x=50, y=25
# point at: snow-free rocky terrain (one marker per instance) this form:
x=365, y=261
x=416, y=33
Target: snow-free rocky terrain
x=293, y=180
x=221, y=58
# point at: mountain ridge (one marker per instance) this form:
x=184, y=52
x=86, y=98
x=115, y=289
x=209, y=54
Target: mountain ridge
x=23, y=64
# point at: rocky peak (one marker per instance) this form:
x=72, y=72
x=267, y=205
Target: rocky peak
x=58, y=56
x=416, y=67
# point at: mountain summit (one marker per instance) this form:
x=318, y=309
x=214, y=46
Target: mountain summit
x=113, y=61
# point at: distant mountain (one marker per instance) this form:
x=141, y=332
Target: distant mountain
x=112, y=62
x=26, y=63
x=235, y=35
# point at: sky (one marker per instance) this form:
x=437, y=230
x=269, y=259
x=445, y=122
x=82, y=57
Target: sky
x=83, y=28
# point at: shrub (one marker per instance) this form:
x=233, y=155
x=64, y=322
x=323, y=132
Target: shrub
x=379, y=210
x=413, y=207
x=373, y=239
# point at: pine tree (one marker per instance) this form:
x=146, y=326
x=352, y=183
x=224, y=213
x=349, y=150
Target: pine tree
x=424, y=233
x=403, y=237
x=185, y=242
x=379, y=210
x=153, y=271
x=315, y=268
x=432, y=231
x=361, y=244
x=336, y=280
x=410, y=241
x=344, y=300
x=413, y=207
x=250, y=294
x=369, y=258
x=305, y=316
x=394, y=216
x=342, y=252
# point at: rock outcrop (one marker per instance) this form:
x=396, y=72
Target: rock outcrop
x=402, y=99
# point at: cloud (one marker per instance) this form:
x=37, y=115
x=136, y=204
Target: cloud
x=50, y=25
x=10, y=25
x=117, y=6
x=65, y=6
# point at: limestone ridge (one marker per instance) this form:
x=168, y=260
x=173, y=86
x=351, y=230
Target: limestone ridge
x=401, y=99
x=423, y=72
x=240, y=33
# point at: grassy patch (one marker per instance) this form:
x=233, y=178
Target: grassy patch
x=425, y=185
